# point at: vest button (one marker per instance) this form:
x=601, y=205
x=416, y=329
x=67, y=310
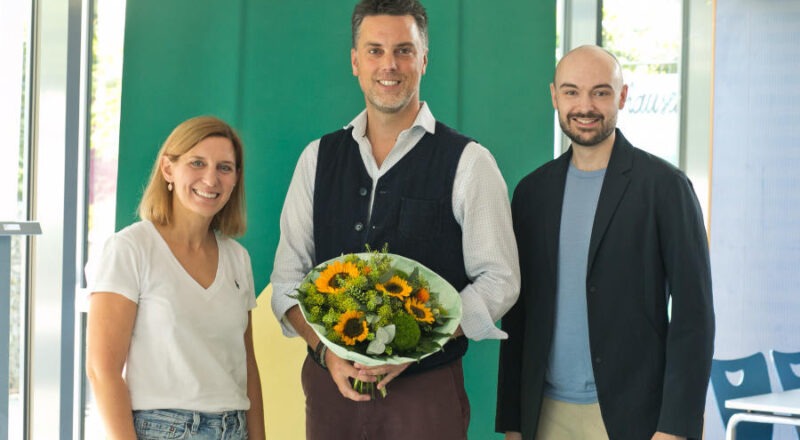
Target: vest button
x=359, y=227
x=362, y=191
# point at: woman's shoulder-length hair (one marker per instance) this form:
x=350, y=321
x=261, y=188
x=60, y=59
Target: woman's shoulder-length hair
x=156, y=203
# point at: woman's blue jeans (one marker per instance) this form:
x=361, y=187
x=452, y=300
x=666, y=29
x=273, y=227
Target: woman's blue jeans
x=160, y=424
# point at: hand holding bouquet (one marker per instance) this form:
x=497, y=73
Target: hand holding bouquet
x=378, y=308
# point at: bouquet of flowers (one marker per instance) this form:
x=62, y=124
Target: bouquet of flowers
x=379, y=308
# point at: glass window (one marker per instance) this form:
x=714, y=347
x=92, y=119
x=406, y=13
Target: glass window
x=646, y=38
x=108, y=23
x=15, y=51
x=106, y=81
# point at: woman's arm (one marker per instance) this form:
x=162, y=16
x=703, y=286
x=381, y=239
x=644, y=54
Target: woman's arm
x=255, y=415
x=110, y=326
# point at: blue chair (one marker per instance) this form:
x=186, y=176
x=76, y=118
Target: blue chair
x=785, y=363
x=741, y=378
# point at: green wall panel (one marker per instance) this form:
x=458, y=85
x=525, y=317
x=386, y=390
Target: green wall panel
x=440, y=85
x=180, y=61
x=298, y=87
x=280, y=73
x=507, y=59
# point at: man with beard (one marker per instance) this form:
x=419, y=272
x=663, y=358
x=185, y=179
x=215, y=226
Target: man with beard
x=396, y=176
x=608, y=236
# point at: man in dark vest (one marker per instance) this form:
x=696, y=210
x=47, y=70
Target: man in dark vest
x=396, y=176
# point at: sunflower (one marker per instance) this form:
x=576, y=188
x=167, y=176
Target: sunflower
x=418, y=310
x=351, y=327
x=331, y=280
x=422, y=295
x=396, y=287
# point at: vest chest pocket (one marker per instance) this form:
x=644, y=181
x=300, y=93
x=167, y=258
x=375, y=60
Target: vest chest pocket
x=419, y=219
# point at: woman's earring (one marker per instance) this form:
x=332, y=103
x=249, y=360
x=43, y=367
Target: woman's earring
x=169, y=186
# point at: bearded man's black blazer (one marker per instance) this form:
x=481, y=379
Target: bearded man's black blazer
x=648, y=244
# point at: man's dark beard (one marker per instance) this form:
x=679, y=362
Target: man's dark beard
x=575, y=135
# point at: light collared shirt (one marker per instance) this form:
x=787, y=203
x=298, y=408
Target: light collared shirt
x=480, y=206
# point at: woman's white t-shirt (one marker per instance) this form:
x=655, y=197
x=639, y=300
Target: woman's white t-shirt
x=187, y=349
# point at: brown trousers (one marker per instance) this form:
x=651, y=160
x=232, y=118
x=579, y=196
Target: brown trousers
x=431, y=405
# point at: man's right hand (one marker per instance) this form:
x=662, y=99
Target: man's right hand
x=511, y=435
x=341, y=371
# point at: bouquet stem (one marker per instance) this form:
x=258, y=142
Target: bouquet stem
x=370, y=387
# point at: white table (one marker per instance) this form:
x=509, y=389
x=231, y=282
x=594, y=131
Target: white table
x=776, y=408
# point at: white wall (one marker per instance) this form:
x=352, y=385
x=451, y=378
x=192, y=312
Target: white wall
x=755, y=191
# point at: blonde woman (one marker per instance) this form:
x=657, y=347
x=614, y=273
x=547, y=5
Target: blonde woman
x=170, y=348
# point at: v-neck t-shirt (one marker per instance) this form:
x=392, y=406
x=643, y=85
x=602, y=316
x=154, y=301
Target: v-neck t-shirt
x=187, y=348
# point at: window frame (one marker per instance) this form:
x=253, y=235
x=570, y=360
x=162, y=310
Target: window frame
x=579, y=22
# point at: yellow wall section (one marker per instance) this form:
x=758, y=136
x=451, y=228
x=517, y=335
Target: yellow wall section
x=279, y=362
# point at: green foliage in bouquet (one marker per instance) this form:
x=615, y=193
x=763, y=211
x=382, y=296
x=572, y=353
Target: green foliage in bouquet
x=369, y=306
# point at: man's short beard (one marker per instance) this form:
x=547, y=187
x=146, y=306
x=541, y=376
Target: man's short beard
x=389, y=109
x=575, y=136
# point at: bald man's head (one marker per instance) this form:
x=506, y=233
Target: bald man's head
x=590, y=56
x=588, y=92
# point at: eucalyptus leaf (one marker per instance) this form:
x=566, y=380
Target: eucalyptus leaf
x=385, y=334
x=386, y=276
x=414, y=277
x=376, y=347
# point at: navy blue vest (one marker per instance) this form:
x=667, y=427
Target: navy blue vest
x=412, y=211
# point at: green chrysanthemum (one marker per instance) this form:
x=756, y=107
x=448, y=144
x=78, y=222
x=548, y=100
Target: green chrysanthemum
x=407, y=332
